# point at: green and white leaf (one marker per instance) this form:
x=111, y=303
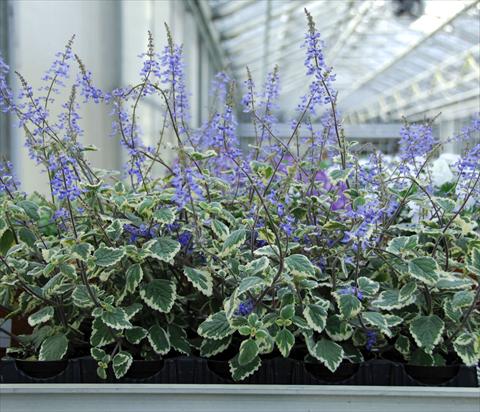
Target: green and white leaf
x=159, y=340
x=101, y=334
x=378, y=320
x=402, y=345
x=121, y=363
x=220, y=229
x=250, y=282
x=316, y=316
x=368, y=286
x=248, y=352
x=233, y=242
x=390, y=299
x=211, y=347
x=136, y=334
x=215, y=327
x=200, y=279
x=427, y=331
x=108, y=256
x=159, y=294
x=424, y=269
x=116, y=318
x=464, y=345
x=81, y=298
x=285, y=341
x=42, y=316
x=257, y=266
x=134, y=276
x=240, y=372
x=338, y=329
x=349, y=305
x=163, y=249
x=164, y=216
x=53, y=348
x=329, y=353
x=178, y=339
x=402, y=244
x=300, y=266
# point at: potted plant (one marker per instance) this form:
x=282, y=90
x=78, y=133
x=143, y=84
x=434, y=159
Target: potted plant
x=296, y=261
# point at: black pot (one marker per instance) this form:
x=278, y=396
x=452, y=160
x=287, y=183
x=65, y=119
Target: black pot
x=344, y=372
x=432, y=375
x=41, y=369
x=144, y=369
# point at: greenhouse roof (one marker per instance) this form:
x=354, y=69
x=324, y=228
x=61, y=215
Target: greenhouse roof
x=388, y=63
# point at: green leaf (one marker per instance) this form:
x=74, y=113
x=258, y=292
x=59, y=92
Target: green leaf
x=407, y=291
x=159, y=294
x=82, y=251
x=249, y=283
x=53, y=348
x=378, y=320
x=257, y=266
x=211, y=347
x=368, y=286
x=316, y=316
x=464, y=345
x=163, y=249
x=427, y=331
x=116, y=318
x=390, y=299
x=474, y=261
x=121, y=363
x=114, y=230
x=164, y=216
x=81, y=298
x=27, y=236
x=448, y=205
x=3, y=226
x=339, y=175
x=99, y=355
x=159, y=340
x=285, y=341
x=233, y=242
x=200, y=279
x=287, y=312
x=424, y=269
x=300, y=265
x=452, y=282
x=240, y=372
x=220, y=229
x=338, y=329
x=419, y=357
x=134, y=276
x=108, y=256
x=30, y=208
x=42, y=316
x=215, y=327
x=349, y=305
x=101, y=334
x=463, y=299
x=6, y=242
x=402, y=345
x=269, y=250
x=136, y=334
x=248, y=352
x=329, y=353
x=402, y=244
x=178, y=339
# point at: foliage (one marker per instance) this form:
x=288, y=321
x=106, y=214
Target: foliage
x=292, y=245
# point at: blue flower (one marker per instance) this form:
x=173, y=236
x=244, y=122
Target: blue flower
x=245, y=308
x=351, y=290
x=371, y=339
